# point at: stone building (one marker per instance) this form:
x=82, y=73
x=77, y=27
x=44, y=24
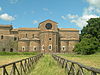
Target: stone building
x=46, y=38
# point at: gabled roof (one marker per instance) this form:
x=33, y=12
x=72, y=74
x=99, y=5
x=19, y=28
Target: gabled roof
x=48, y=20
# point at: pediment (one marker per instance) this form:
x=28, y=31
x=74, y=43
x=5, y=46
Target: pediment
x=48, y=21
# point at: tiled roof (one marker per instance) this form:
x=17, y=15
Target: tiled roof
x=14, y=30
x=5, y=25
x=68, y=29
x=68, y=39
x=28, y=29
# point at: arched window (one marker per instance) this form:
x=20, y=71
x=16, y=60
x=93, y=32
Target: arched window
x=15, y=38
x=50, y=47
x=63, y=48
x=23, y=48
x=34, y=48
x=42, y=47
x=26, y=35
x=33, y=36
x=2, y=37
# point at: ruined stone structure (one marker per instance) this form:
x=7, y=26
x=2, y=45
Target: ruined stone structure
x=46, y=38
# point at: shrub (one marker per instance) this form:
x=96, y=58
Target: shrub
x=18, y=53
x=89, y=38
x=86, y=46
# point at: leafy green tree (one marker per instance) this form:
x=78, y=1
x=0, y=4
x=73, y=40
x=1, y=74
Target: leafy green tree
x=89, y=38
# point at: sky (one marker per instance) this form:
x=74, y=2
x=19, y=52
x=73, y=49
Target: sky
x=67, y=13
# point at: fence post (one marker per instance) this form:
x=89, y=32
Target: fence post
x=20, y=67
x=4, y=71
x=13, y=70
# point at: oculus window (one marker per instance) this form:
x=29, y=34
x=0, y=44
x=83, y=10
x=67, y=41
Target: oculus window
x=48, y=26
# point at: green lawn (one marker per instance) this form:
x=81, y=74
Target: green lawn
x=5, y=59
x=47, y=66
x=88, y=60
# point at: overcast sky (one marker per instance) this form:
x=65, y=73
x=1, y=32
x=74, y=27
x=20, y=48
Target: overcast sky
x=67, y=13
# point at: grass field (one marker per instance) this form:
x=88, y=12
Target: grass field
x=5, y=59
x=47, y=66
x=11, y=58
x=88, y=60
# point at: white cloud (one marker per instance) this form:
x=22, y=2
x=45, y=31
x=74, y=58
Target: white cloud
x=6, y=17
x=34, y=22
x=82, y=20
x=13, y=1
x=97, y=10
x=95, y=3
x=72, y=16
x=64, y=17
x=0, y=9
x=92, y=11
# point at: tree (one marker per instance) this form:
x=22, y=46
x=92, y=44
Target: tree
x=89, y=38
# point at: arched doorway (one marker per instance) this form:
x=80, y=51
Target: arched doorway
x=3, y=49
x=11, y=49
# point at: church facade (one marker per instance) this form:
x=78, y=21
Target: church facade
x=47, y=38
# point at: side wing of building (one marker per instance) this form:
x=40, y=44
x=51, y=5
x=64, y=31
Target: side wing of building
x=8, y=41
x=28, y=39
x=68, y=38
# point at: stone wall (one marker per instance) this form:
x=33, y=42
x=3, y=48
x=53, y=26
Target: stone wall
x=38, y=39
x=8, y=43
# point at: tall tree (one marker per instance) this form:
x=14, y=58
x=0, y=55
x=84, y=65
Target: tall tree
x=89, y=38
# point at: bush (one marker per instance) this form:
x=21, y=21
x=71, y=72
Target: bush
x=89, y=38
x=18, y=53
x=86, y=46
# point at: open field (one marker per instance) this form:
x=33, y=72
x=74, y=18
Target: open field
x=47, y=66
x=5, y=59
x=11, y=58
x=88, y=60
